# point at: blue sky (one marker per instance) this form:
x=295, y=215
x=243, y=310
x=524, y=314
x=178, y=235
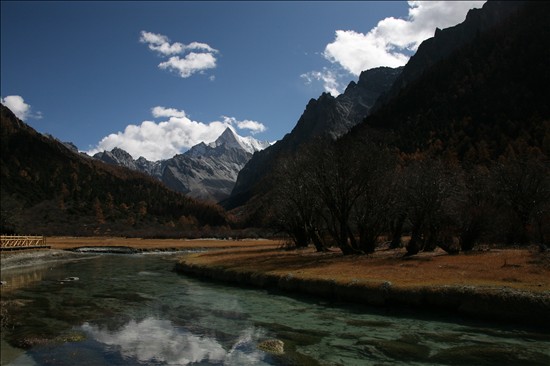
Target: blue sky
x=158, y=77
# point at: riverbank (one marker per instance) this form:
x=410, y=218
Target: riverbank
x=67, y=243
x=498, y=285
x=20, y=267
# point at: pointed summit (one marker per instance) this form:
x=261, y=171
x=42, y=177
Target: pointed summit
x=228, y=139
x=231, y=140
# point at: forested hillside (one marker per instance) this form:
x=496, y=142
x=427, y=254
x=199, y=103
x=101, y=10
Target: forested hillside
x=488, y=96
x=48, y=189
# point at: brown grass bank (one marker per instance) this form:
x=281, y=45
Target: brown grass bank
x=502, y=285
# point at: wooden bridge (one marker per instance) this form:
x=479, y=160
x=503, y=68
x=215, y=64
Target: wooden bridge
x=15, y=242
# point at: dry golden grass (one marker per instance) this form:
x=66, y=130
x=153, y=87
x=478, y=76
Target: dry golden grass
x=152, y=244
x=514, y=268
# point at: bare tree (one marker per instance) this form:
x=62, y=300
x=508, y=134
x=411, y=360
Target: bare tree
x=473, y=206
x=337, y=180
x=428, y=189
x=350, y=179
x=522, y=186
x=296, y=205
x=371, y=212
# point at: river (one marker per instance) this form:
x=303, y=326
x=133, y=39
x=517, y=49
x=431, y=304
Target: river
x=134, y=310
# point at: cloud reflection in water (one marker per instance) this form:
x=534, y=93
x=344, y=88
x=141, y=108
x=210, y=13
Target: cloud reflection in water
x=158, y=340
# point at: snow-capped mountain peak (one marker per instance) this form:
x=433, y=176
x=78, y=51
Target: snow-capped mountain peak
x=231, y=139
x=207, y=171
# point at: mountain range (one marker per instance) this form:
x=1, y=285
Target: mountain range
x=474, y=93
x=206, y=171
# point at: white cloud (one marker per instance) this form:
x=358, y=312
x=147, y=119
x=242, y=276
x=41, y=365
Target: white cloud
x=166, y=112
x=200, y=46
x=21, y=109
x=329, y=78
x=161, y=43
x=254, y=126
x=190, y=64
x=392, y=41
x=162, y=140
x=186, y=66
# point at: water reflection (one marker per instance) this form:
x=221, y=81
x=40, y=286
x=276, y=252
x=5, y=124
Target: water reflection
x=20, y=279
x=153, y=340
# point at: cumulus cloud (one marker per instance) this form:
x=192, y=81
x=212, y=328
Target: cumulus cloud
x=253, y=126
x=162, y=140
x=161, y=43
x=166, y=112
x=329, y=78
x=190, y=64
x=22, y=110
x=200, y=56
x=392, y=40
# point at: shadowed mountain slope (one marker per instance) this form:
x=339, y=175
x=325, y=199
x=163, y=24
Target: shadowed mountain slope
x=488, y=96
x=327, y=117
x=49, y=189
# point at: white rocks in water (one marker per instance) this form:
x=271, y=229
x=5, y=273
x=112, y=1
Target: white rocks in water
x=70, y=279
x=273, y=346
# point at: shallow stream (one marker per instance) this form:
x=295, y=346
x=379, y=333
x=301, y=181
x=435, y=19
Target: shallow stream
x=134, y=310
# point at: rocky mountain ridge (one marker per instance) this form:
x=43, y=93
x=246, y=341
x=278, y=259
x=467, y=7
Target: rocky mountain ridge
x=488, y=97
x=325, y=117
x=206, y=171
x=448, y=40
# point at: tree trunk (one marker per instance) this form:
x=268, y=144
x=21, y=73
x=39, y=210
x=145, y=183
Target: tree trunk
x=367, y=243
x=469, y=236
x=317, y=242
x=396, y=232
x=415, y=244
x=431, y=240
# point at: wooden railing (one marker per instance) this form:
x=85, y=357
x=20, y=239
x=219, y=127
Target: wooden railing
x=9, y=242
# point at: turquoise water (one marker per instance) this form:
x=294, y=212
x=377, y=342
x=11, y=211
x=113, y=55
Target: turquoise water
x=134, y=310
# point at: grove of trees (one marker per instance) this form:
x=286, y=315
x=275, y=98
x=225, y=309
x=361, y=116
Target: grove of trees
x=356, y=194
